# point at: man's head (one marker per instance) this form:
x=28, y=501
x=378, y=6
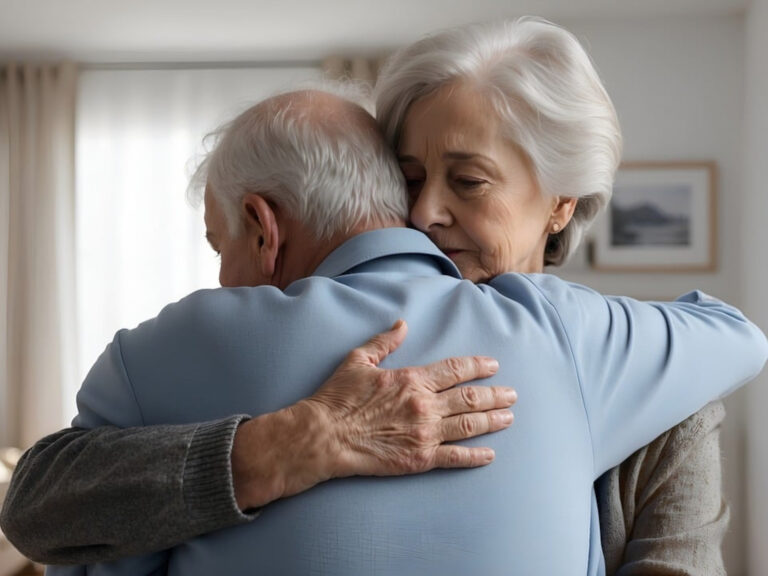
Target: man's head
x=290, y=179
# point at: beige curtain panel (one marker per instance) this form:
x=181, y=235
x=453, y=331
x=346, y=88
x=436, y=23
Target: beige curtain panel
x=358, y=69
x=37, y=276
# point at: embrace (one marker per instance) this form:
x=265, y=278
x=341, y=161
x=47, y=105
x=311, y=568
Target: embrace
x=236, y=433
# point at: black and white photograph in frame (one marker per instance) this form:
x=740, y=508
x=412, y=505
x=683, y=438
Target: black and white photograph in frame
x=661, y=218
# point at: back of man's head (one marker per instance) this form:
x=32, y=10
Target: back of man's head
x=315, y=154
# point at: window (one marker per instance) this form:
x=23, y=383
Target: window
x=139, y=243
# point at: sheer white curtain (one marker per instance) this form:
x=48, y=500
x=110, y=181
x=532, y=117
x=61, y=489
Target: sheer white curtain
x=139, y=243
x=36, y=246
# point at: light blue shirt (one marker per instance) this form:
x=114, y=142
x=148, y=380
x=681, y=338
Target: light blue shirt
x=598, y=377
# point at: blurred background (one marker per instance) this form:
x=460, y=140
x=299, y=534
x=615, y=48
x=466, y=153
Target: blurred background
x=104, y=106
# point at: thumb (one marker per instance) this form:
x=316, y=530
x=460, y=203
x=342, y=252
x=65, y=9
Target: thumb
x=373, y=352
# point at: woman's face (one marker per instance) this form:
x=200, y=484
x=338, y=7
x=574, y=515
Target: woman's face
x=471, y=190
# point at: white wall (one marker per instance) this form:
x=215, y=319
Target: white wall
x=755, y=263
x=678, y=88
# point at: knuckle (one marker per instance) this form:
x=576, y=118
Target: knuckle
x=418, y=405
x=375, y=347
x=356, y=355
x=422, y=435
x=406, y=376
x=470, y=397
x=454, y=457
x=455, y=367
x=467, y=426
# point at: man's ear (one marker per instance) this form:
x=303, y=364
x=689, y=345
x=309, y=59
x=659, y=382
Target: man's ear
x=263, y=234
x=563, y=210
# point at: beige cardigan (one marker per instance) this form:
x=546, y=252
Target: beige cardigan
x=661, y=510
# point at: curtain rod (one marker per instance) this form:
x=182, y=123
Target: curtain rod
x=199, y=65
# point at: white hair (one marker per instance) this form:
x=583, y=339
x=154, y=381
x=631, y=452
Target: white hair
x=329, y=168
x=546, y=92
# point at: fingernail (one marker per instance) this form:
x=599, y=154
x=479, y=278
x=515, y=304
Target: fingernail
x=507, y=417
x=488, y=455
x=491, y=364
x=511, y=395
x=398, y=324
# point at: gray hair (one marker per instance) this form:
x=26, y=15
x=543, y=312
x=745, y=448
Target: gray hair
x=330, y=169
x=546, y=92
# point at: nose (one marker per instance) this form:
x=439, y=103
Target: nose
x=430, y=208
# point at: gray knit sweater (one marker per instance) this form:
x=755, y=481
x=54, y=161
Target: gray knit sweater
x=85, y=496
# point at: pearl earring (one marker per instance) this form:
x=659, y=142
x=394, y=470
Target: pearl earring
x=555, y=228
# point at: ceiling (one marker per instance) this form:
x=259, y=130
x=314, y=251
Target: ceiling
x=275, y=30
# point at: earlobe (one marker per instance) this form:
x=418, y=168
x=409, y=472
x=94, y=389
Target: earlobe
x=563, y=211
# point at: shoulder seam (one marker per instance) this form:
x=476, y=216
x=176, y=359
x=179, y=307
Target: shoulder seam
x=575, y=365
x=124, y=368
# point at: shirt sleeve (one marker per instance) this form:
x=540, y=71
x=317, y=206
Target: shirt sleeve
x=643, y=366
x=92, y=495
x=106, y=397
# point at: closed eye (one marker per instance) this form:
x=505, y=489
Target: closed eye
x=470, y=183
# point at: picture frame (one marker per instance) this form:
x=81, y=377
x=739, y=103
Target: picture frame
x=661, y=218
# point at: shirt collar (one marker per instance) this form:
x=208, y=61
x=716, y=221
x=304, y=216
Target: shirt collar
x=381, y=243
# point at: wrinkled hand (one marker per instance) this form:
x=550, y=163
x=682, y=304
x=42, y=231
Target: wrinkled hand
x=367, y=421
x=395, y=422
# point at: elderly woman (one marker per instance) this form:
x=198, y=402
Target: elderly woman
x=509, y=144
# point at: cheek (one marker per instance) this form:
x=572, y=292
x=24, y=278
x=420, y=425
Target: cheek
x=490, y=230
x=502, y=239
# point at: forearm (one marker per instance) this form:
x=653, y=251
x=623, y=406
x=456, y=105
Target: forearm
x=282, y=453
x=83, y=496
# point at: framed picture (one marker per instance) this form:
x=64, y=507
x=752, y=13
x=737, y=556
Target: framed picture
x=661, y=219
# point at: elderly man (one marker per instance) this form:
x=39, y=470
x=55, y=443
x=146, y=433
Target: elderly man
x=288, y=172
x=200, y=477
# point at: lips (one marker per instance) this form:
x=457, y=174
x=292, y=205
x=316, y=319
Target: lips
x=445, y=248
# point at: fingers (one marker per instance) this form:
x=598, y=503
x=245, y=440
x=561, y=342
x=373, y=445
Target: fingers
x=474, y=424
x=451, y=371
x=462, y=457
x=474, y=399
x=380, y=346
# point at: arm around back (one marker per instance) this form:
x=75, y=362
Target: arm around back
x=643, y=367
x=187, y=476
x=83, y=496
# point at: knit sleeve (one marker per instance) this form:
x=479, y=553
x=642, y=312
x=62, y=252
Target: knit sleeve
x=86, y=496
x=662, y=510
